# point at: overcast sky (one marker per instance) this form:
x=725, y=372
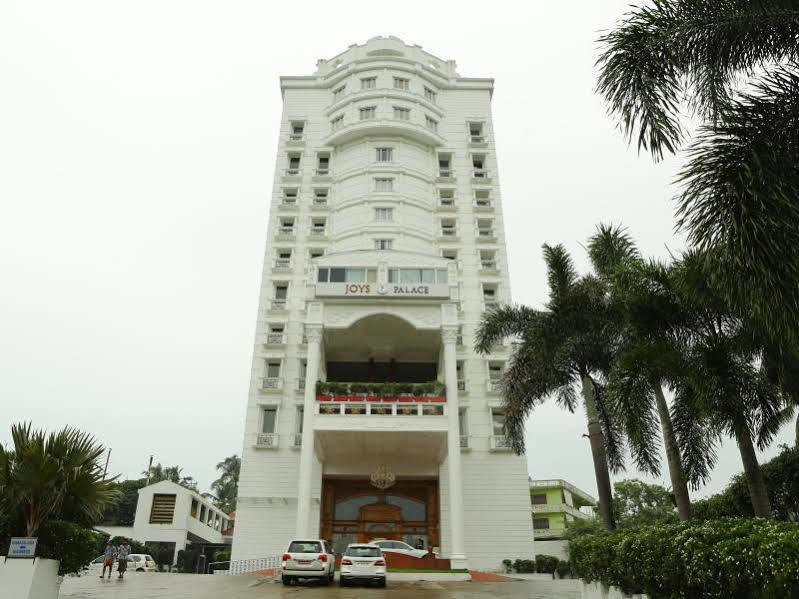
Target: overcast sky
x=137, y=145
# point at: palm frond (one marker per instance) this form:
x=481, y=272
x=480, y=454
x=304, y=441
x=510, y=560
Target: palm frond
x=612, y=434
x=609, y=248
x=501, y=322
x=561, y=274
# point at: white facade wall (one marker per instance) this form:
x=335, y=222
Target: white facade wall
x=494, y=489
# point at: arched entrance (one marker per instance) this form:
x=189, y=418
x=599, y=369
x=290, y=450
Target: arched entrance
x=354, y=511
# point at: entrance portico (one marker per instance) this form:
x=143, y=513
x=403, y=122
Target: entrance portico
x=413, y=432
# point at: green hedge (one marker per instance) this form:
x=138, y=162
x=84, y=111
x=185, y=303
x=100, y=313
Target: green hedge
x=72, y=545
x=719, y=559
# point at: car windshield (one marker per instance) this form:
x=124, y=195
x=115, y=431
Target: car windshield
x=149, y=558
x=362, y=552
x=305, y=547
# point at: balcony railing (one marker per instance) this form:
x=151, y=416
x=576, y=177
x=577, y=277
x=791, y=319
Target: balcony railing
x=560, y=483
x=464, y=441
x=478, y=139
x=301, y=383
x=488, y=264
x=282, y=262
x=320, y=202
x=480, y=173
x=286, y=231
x=446, y=173
x=271, y=383
x=482, y=205
x=500, y=443
x=278, y=304
x=274, y=338
x=449, y=232
x=290, y=202
x=322, y=172
x=559, y=508
x=374, y=408
x=266, y=440
x=292, y=172
x=433, y=391
x=461, y=385
x=296, y=136
x=459, y=341
x=548, y=533
x=318, y=232
x=297, y=440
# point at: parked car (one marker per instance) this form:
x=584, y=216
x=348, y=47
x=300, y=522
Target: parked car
x=141, y=562
x=308, y=559
x=388, y=546
x=137, y=562
x=363, y=562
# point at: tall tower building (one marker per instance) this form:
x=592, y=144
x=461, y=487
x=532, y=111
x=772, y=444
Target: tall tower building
x=370, y=415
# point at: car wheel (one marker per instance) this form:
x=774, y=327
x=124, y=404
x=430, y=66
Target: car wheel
x=382, y=583
x=286, y=580
x=139, y=569
x=324, y=581
x=343, y=582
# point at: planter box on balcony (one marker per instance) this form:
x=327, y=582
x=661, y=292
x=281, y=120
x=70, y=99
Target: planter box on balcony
x=324, y=398
x=372, y=398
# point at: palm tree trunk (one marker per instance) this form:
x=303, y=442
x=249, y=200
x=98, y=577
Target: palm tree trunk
x=758, y=492
x=678, y=482
x=598, y=453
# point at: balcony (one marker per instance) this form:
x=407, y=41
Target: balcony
x=318, y=234
x=285, y=234
x=462, y=386
x=375, y=408
x=481, y=175
x=300, y=384
x=432, y=392
x=292, y=174
x=445, y=175
x=296, y=139
x=275, y=339
x=486, y=236
x=483, y=205
x=494, y=386
x=271, y=383
x=281, y=265
x=266, y=441
x=296, y=441
x=447, y=205
x=320, y=203
x=383, y=126
x=323, y=174
x=288, y=204
x=278, y=305
x=465, y=444
x=449, y=234
x=478, y=141
x=559, y=508
x=500, y=443
x=548, y=533
x=488, y=267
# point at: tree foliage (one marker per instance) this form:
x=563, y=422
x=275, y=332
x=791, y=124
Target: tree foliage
x=171, y=473
x=636, y=503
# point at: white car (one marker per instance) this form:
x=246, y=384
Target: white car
x=398, y=547
x=363, y=562
x=308, y=559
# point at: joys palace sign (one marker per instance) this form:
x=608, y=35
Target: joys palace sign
x=392, y=290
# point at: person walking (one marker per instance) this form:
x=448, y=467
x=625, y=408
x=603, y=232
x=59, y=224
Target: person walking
x=122, y=557
x=108, y=559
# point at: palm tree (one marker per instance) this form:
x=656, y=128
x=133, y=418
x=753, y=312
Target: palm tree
x=726, y=374
x=226, y=487
x=736, y=65
x=570, y=342
x=173, y=474
x=649, y=356
x=53, y=476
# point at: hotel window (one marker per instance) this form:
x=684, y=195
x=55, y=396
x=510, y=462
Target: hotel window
x=384, y=154
x=476, y=133
x=162, y=510
x=431, y=123
x=402, y=114
x=400, y=83
x=273, y=369
x=478, y=162
x=538, y=499
x=446, y=197
x=368, y=82
x=384, y=244
x=318, y=226
x=269, y=420
x=298, y=419
x=316, y=253
x=429, y=94
x=484, y=227
x=290, y=196
x=384, y=214
x=489, y=295
x=347, y=275
x=463, y=423
x=449, y=254
x=286, y=226
x=449, y=227
x=367, y=113
x=482, y=198
x=498, y=422
x=297, y=128
x=323, y=164
x=338, y=93
x=495, y=371
x=539, y=523
x=294, y=165
x=444, y=169
x=337, y=122
x=281, y=291
x=428, y=276
x=320, y=196
x=383, y=184
x=488, y=259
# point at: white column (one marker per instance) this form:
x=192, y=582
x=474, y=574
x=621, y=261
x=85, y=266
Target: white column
x=457, y=558
x=314, y=335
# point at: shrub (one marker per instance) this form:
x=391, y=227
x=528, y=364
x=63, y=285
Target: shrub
x=524, y=566
x=563, y=569
x=222, y=555
x=72, y=545
x=546, y=564
x=187, y=558
x=718, y=559
x=508, y=565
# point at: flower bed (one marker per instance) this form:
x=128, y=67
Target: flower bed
x=715, y=559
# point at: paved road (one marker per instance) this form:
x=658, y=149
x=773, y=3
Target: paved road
x=188, y=586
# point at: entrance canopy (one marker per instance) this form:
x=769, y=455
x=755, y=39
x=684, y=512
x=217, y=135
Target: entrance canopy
x=382, y=338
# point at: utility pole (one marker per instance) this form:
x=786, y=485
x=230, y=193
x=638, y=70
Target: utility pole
x=107, y=458
x=149, y=467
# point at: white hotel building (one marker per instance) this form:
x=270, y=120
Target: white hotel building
x=385, y=245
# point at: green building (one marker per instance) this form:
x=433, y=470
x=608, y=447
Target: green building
x=555, y=504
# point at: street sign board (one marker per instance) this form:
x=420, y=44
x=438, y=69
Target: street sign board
x=22, y=547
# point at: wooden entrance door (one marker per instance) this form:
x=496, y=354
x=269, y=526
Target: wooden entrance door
x=379, y=521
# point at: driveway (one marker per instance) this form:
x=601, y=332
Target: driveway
x=192, y=586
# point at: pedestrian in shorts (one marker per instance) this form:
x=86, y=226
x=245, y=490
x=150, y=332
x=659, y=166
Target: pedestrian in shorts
x=108, y=559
